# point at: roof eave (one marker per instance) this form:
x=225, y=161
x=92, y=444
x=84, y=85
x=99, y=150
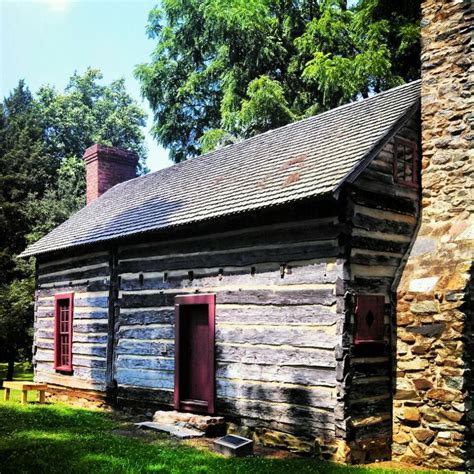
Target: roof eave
x=27, y=254
x=355, y=172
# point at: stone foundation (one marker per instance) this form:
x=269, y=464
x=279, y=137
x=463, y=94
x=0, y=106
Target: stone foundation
x=433, y=397
x=77, y=397
x=324, y=449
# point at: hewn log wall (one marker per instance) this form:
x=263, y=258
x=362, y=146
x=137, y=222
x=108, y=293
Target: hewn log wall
x=383, y=216
x=88, y=277
x=278, y=320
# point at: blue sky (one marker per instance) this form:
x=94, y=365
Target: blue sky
x=45, y=41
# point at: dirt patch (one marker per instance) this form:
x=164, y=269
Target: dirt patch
x=129, y=430
x=207, y=444
x=402, y=466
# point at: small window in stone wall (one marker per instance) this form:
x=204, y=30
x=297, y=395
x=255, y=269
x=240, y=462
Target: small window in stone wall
x=404, y=163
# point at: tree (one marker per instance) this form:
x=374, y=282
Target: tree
x=224, y=70
x=16, y=318
x=42, y=179
x=87, y=112
x=59, y=202
x=25, y=168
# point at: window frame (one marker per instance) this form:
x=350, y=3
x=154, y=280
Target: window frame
x=69, y=297
x=400, y=141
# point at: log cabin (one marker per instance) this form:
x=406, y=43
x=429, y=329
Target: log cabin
x=253, y=282
x=289, y=282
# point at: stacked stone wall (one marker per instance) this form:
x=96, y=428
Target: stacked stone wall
x=433, y=397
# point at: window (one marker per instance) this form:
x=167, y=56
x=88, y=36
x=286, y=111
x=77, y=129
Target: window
x=369, y=319
x=404, y=164
x=63, y=310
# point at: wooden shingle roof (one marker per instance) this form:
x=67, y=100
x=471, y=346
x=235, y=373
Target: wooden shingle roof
x=312, y=157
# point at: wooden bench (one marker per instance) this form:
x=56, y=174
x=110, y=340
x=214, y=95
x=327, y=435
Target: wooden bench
x=25, y=387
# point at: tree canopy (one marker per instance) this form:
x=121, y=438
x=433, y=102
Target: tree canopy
x=224, y=70
x=42, y=178
x=87, y=112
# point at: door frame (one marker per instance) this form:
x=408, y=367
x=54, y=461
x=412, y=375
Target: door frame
x=187, y=300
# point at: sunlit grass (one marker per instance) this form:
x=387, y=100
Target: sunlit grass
x=57, y=438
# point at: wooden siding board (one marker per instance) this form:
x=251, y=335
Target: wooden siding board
x=141, y=348
x=163, y=379
x=149, y=363
x=103, y=271
x=273, y=373
x=293, y=418
x=146, y=317
x=281, y=393
x=78, y=286
x=315, y=315
x=57, y=265
x=286, y=335
x=282, y=297
x=282, y=234
x=265, y=274
x=163, y=332
x=376, y=199
x=238, y=296
x=241, y=257
x=284, y=356
x=91, y=349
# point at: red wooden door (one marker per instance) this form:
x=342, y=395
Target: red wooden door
x=194, y=353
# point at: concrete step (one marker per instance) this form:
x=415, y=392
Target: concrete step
x=172, y=429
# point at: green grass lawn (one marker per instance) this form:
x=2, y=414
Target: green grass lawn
x=56, y=438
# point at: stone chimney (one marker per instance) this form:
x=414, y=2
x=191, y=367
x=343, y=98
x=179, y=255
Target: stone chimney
x=107, y=166
x=433, y=416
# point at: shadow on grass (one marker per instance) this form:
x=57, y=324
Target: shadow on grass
x=61, y=439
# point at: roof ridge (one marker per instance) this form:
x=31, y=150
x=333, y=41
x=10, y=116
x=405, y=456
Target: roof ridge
x=273, y=130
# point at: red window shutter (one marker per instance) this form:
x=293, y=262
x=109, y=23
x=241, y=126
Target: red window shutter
x=63, y=314
x=369, y=319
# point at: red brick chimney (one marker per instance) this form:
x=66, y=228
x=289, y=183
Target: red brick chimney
x=107, y=166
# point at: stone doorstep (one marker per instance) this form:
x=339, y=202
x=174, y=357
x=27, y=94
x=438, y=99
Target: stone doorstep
x=210, y=425
x=172, y=429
